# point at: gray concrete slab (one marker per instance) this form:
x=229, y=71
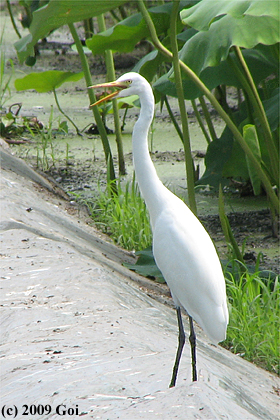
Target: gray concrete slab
x=78, y=329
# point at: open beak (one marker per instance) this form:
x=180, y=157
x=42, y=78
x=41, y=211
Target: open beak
x=116, y=85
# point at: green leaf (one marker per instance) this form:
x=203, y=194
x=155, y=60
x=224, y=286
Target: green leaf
x=212, y=47
x=8, y=119
x=59, y=13
x=251, y=138
x=47, y=80
x=217, y=156
x=149, y=64
x=203, y=14
x=121, y=37
x=224, y=24
x=146, y=265
x=128, y=102
x=226, y=159
x=236, y=166
x=224, y=156
x=126, y=34
x=63, y=126
x=260, y=65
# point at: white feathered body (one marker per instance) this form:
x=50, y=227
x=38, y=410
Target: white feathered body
x=189, y=263
x=182, y=248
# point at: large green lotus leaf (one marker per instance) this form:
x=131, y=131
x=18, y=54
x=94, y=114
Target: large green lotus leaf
x=236, y=166
x=185, y=36
x=218, y=154
x=47, y=80
x=123, y=36
x=209, y=48
x=57, y=13
x=148, y=65
x=224, y=157
x=203, y=14
x=126, y=34
x=260, y=65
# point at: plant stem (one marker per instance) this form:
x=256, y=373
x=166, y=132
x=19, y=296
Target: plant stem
x=207, y=118
x=227, y=230
x=173, y=119
x=115, y=16
x=260, y=112
x=92, y=99
x=123, y=120
x=112, y=76
x=236, y=133
x=88, y=27
x=200, y=122
x=65, y=115
x=181, y=101
x=12, y=18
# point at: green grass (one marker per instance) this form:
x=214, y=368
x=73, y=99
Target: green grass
x=124, y=217
x=253, y=330
x=254, y=302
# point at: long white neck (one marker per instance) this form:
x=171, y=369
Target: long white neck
x=150, y=185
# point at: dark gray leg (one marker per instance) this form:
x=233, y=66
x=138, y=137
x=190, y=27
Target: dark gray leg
x=192, y=340
x=181, y=342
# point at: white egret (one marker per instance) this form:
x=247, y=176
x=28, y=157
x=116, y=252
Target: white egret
x=182, y=248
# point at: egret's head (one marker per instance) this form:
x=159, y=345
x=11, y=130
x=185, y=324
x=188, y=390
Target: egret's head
x=126, y=85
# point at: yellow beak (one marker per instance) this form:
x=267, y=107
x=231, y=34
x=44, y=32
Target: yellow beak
x=116, y=85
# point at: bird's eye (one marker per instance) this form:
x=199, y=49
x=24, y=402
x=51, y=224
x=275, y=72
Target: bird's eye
x=129, y=82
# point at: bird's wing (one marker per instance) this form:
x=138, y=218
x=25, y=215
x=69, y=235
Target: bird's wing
x=189, y=263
